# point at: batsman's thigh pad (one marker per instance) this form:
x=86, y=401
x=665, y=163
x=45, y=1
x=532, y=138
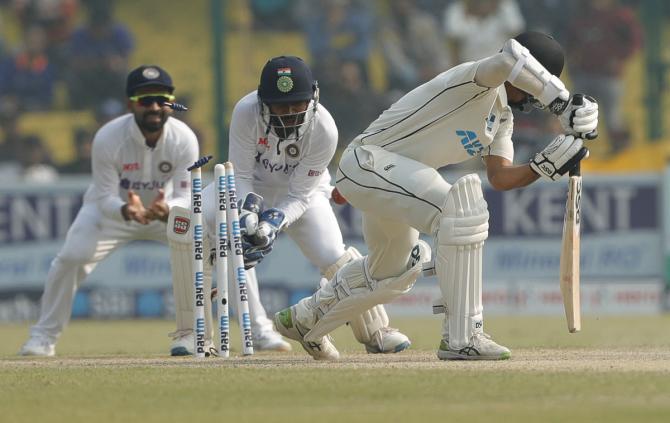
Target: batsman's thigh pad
x=180, y=240
x=352, y=291
x=392, y=186
x=460, y=237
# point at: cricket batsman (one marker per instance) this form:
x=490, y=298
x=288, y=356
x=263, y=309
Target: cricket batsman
x=389, y=172
x=281, y=142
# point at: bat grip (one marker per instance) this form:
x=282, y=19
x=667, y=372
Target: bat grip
x=577, y=170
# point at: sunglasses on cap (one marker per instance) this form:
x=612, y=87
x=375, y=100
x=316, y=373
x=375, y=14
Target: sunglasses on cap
x=147, y=100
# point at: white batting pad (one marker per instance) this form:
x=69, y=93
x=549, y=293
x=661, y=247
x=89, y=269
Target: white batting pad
x=365, y=325
x=352, y=291
x=179, y=234
x=460, y=238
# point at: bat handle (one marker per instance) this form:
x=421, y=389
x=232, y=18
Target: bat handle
x=577, y=170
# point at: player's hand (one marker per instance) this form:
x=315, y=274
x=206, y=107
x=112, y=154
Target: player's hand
x=134, y=209
x=561, y=155
x=258, y=245
x=158, y=209
x=250, y=209
x=580, y=118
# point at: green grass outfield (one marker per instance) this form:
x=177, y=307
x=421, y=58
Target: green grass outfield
x=616, y=370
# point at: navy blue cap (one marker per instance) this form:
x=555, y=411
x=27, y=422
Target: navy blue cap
x=147, y=75
x=286, y=79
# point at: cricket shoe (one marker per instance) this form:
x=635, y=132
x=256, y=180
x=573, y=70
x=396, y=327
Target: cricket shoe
x=481, y=347
x=387, y=341
x=183, y=345
x=38, y=346
x=289, y=327
x=269, y=340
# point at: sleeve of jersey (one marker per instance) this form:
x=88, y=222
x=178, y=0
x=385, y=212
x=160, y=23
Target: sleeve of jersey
x=307, y=175
x=242, y=148
x=502, y=142
x=106, y=179
x=181, y=179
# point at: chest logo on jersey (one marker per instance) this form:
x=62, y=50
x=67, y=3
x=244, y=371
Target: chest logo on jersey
x=126, y=183
x=129, y=167
x=165, y=167
x=292, y=151
x=470, y=142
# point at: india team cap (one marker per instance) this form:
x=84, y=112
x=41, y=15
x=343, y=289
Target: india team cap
x=286, y=79
x=147, y=75
x=545, y=49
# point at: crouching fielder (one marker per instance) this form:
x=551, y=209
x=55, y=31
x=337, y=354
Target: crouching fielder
x=281, y=142
x=389, y=173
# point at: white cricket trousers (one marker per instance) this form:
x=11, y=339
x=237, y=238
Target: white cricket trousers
x=399, y=198
x=90, y=239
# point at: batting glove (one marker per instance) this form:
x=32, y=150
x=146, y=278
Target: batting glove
x=561, y=155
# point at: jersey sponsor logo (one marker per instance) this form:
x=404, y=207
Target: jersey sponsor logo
x=276, y=167
x=389, y=167
x=126, y=183
x=313, y=172
x=263, y=141
x=165, y=167
x=181, y=225
x=129, y=167
x=470, y=142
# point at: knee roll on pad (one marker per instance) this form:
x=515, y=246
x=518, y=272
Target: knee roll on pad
x=352, y=291
x=180, y=241
x=465, y=219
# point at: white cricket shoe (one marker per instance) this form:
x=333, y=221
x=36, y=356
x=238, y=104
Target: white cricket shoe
x=184, y=344
x=388, y=341
x=289, y=327
x=38, y=346
x=269, y=340
x=481, y=347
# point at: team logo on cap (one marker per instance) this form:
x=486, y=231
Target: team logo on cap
x=165, y=167
x=150, y=73
x=292, y=151
x=284, y=84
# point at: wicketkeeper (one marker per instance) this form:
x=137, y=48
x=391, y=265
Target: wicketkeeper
x=389, y=172
x=281, y=142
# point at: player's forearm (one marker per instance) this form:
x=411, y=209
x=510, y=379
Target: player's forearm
x=504, y=176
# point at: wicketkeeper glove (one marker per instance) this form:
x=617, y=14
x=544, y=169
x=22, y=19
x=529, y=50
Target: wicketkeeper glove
x=561, y=155
x=259, y=244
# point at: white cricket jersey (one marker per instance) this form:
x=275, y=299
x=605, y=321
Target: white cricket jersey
x=285, y=172
x=122, y=161
x=447, y=120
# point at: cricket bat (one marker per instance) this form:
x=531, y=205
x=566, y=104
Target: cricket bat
x=569, y=273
